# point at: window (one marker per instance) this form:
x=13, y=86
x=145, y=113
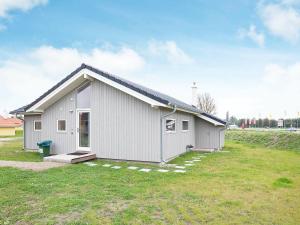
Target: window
x=83, y=96
x=37, y=125
x=170, y=125
x=185, y=125
x=61, y=125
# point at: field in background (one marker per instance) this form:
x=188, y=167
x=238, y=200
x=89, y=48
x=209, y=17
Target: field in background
x=270, y=139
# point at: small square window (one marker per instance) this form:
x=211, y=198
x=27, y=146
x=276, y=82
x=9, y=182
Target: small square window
x=37, y=125
x=170, y=125
x=185, y=125
x=61, y=125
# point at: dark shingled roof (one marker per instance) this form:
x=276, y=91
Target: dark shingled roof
x=213, y=117
x=155, y=95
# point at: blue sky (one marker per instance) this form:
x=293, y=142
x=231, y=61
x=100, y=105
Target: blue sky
x=245, y=53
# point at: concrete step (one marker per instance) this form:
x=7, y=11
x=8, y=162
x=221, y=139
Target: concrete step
x=70, y=158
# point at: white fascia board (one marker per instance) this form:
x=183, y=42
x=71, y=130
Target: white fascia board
x=123, y=88
x=182, y=110
x=53, y=93
x=214, y=122
x=86, y=73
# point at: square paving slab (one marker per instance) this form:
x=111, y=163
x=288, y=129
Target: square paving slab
x=145, y=170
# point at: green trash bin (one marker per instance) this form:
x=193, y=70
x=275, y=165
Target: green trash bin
x=45, y=146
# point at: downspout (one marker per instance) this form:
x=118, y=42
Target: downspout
x=24, y=144
x=24, y=139
x=161, y=132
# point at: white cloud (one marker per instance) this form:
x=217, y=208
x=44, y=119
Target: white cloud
x=282, y=19
x=290, y=2
x=282, y=75
x=25, y=77
x=279, y=89
x=24, y=5
x=255, y=36
x=170, y=51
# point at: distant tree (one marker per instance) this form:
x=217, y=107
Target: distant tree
x=266, y=122
x=273, y=123
x=233, y=120
x=260, y=123
x=241, y=122
x=206, y=103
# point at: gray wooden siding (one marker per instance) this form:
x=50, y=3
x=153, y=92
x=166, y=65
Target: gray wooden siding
x=64, y=109
x=123, y=127
x=208, y=136
x=31, y=137
x=175, y=143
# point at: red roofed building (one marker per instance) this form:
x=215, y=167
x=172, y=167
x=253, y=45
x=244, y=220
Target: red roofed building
x=8, y=126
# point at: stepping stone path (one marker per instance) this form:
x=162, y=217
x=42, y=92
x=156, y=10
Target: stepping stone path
x=177, y=168
x=90, y=164
x=179, y=171
x=116, y=167
x=132, y=168
x=163, y=171
x=106, y=165
x=145, y=170
x=180, y=167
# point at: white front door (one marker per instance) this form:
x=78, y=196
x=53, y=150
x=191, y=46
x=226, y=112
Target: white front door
x=83, y=128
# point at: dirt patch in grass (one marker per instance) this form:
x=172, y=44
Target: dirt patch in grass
x=35, y=166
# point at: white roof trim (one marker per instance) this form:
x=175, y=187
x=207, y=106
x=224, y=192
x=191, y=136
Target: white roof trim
x=85, y=73
x=210, y=120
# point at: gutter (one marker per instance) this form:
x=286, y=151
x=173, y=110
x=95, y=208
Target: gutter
x=161, y=131
x=24, y=128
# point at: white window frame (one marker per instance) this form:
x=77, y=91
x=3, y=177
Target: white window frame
x=182, y=126
x=34, y=122
x=61, y=131
x=170, y=131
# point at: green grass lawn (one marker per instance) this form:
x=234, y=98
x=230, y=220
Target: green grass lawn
x=268, y=139
x=248, y=185
x=12, y=150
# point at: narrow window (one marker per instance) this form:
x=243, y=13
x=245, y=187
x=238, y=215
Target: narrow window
x=37, y=125
x=185, y=125
x=83, y=96
x=61, y=125
x=170, y=125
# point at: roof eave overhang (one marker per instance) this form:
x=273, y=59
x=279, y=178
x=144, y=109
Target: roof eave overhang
x=212, y=121
x=80, y=77
x=182, y=110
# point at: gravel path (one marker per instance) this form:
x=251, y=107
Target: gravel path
x=35, y=166
x=11, y=138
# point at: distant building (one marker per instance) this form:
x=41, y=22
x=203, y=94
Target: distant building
x=8, y=126
x=280, y=123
